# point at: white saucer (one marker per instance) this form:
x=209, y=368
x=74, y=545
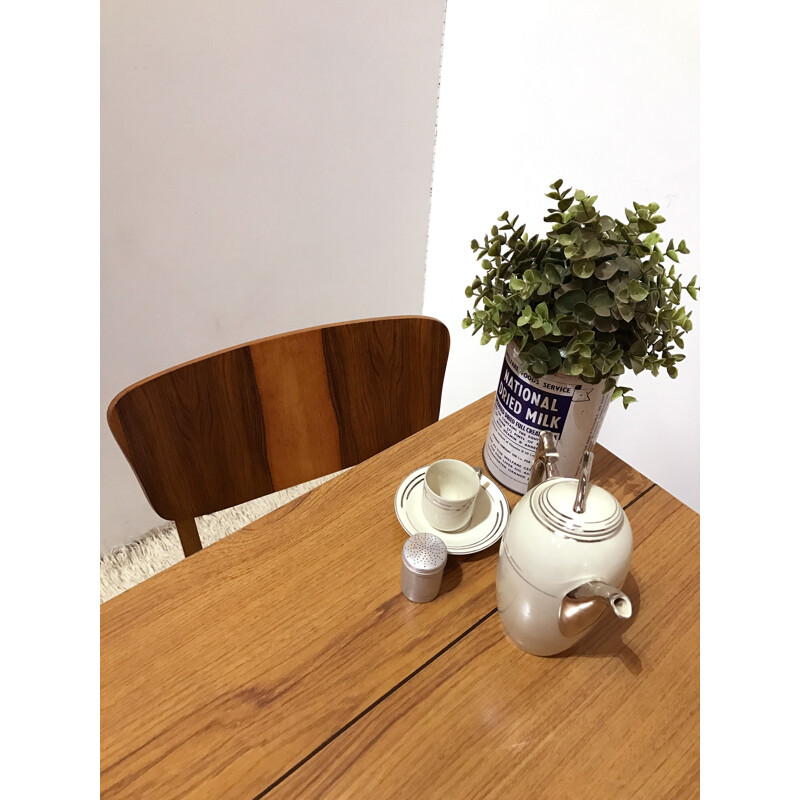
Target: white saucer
x=488, y=520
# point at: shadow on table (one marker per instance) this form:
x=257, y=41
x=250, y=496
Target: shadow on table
x=452, y=576
x=453, y=572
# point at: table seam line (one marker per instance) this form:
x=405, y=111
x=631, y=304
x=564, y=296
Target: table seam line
x=373, y=705
x=398, y=685
x=639, y=496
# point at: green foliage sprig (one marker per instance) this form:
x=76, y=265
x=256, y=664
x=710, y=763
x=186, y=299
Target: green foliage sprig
x=592, y=298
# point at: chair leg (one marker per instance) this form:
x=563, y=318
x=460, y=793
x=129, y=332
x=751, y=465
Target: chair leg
x=190, y=538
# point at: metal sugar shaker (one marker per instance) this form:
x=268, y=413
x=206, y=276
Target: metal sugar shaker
x=424, y=558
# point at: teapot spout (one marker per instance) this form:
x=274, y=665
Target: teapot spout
x=584, y=605
x=620, y=602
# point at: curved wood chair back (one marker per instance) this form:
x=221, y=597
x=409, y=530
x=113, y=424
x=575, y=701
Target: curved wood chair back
x=263, y=416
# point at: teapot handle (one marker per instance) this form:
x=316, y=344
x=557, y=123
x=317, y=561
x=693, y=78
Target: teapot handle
x=544, y=461
x=583, y=482
x=545, y=467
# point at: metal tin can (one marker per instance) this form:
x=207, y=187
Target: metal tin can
x=571, y=409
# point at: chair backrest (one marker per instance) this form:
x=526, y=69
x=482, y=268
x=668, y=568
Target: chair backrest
x=263, y=416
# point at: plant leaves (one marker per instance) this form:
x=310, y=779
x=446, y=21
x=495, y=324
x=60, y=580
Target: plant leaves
x=601, y=301
x=585, y=313
x=604, y=302
x=574, y=368
x=638, y=348
x=593, y=249
x=652, y=239
x=606, y=270
x=552, y=274
x=540, y=351
x=583, y=268
x=626, y=311
x=637, y=291
x=567, y=302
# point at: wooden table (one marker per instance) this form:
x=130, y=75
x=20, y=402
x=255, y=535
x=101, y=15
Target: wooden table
x=284, y=661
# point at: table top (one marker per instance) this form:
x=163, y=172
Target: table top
x=285, y=661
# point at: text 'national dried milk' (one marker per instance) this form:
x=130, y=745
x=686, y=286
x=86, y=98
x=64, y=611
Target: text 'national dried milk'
x=567, y=406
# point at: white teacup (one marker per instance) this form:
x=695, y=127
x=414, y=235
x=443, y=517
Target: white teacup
x=449, y=493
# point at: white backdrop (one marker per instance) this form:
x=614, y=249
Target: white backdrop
x=265, y=167
x=601, y=93
x=268, y=166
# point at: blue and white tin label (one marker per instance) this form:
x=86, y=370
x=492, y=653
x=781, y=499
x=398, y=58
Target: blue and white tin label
x=525, y=406
x=531, y=404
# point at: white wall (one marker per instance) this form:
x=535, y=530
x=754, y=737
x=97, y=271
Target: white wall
x=601, y=93
x=266, y=166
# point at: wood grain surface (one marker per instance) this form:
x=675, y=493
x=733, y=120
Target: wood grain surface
x=616, y=717
x=222, y=673
x=244, y=422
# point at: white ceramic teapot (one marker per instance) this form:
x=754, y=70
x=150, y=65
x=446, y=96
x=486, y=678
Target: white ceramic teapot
x=565, y=551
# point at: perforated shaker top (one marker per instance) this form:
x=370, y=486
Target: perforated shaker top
x=424, y=553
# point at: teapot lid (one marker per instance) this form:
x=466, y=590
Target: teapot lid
x=554, y=548
x=553, y=505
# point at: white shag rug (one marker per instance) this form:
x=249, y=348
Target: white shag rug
x=160, y=547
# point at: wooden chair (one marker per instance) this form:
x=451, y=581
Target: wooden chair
x=263, y=416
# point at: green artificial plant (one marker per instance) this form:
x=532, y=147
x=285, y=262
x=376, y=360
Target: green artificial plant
x=593, y=297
